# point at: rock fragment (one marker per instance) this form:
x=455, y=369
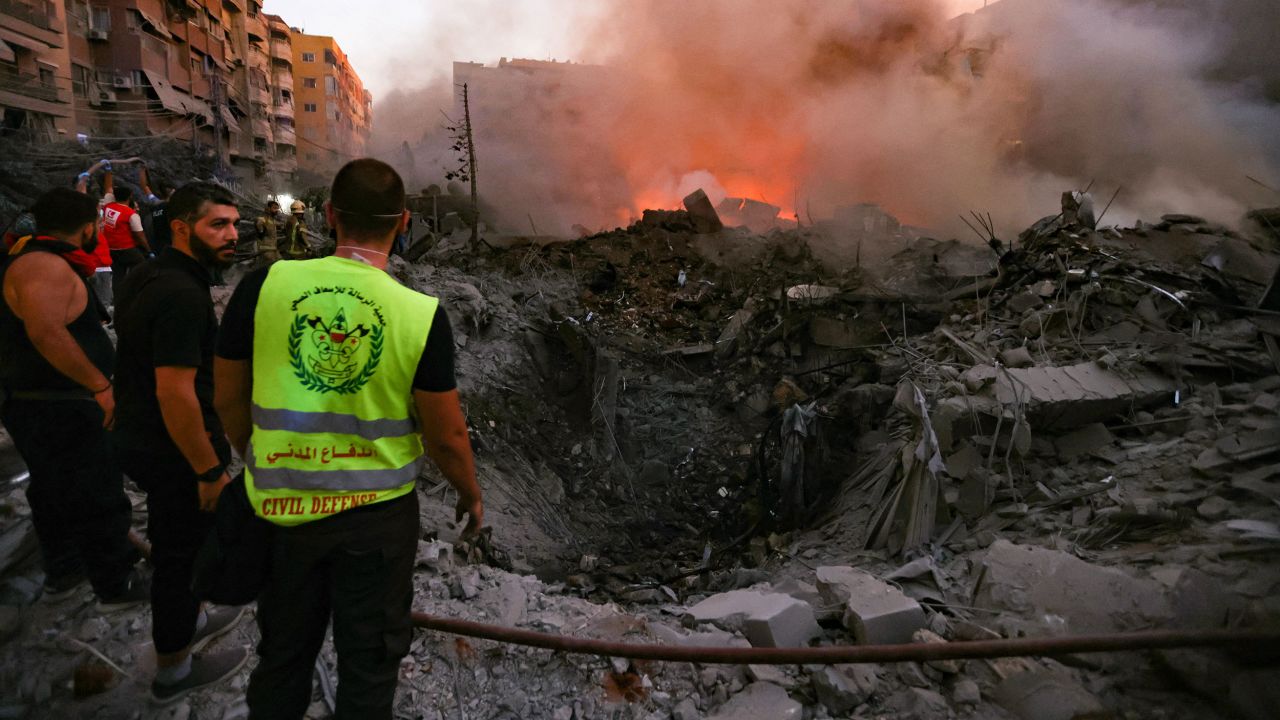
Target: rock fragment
x=875, y=611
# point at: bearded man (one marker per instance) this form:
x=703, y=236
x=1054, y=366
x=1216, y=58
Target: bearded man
x=168, y=436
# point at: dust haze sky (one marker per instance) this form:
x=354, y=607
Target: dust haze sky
x=406, y=43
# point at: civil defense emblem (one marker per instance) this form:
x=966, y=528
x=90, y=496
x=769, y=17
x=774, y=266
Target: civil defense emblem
x=329, y=354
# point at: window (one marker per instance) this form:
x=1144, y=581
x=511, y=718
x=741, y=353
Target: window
x=139, y=79
x=308, y=107
x=308, y=82
x=99, y=18
x=78, y=14
x=81, y=76
x=308, y=57
x=330, y=85
x=46, y=76
x=132, y=19
x=197, y=67
x=330, y=58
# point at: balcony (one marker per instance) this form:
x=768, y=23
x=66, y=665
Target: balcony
x=31, y=21
x=256, y=26
x=285, y=136
x=261, y=128
x=285, y=164
x=284, y=111
x=278, y=25
x=282, y=52
x=282, y=80
x=32, y=87
x=258, y=57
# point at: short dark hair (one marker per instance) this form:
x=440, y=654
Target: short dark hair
x=123, y=193
x=368, y=198
x=273, y=202
x=189, y=202
x=62, y=211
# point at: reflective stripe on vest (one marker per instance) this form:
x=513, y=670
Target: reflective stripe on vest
x=336, y=347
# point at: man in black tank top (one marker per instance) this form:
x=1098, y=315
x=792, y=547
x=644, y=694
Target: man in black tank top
x=56, y=363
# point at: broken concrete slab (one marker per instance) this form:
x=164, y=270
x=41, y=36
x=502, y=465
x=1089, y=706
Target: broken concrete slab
x=727, y=343
x=1090, y=598
x=702, y=213
x=766, y=619
x=918, y=704
x=1046, y=695
x=842, y=688
x=760, y=701
x=1087, y=440
x=1073, y=395
x=875, y=611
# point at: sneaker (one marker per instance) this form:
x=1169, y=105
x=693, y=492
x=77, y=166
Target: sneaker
x=59, y=589
x=218, y=622
x=137, y=591
x=205, y=671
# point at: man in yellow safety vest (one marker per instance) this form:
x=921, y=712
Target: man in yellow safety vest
x=330, y=378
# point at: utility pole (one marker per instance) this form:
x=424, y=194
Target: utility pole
x=471, y=165
x=215, y=94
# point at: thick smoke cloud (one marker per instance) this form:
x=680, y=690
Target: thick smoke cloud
x=814, y=104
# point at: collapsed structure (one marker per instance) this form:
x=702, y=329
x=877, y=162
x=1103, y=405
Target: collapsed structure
x=840, y=433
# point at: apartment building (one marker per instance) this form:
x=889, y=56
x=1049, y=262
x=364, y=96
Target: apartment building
x=220, y=74
x=334, y=111
x=35, y=87
x=280, y=50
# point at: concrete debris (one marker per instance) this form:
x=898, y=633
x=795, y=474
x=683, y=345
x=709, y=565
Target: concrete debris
x=703, y=214
x=1074, y=433
x=841, y=688
x=1090, y=599
x=918, y=704
x=766, y=619
x=1061, y=397
x=966, y=692
x=876, y=612
x=1046, y=695
x=760, y=701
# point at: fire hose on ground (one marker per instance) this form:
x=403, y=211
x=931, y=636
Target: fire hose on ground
x=1260, y=642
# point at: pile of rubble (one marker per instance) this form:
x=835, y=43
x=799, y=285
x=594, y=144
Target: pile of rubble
x=28, y=170
x=691, y=434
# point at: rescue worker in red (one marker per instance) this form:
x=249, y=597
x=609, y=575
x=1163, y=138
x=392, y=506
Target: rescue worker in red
x=122, y=231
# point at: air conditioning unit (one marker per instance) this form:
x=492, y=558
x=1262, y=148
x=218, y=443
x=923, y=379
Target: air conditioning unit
x=106, y=96
x=123, y=82
x=97, y=34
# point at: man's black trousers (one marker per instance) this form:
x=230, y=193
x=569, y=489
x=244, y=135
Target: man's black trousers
x=356, y=566
x=176, y=528
x=122, y=261
x=78, y=506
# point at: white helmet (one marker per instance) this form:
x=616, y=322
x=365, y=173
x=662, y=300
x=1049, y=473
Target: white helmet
x=297, y=207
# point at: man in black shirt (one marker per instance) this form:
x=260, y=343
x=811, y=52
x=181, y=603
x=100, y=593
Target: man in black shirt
x=56, y=362
x=168, y=435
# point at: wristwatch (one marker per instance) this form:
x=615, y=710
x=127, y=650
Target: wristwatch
x=213, y=474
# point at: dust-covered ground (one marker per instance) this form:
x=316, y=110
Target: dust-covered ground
x=661, y=416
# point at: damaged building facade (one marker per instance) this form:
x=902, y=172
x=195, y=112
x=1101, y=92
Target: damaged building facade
x=219, y=75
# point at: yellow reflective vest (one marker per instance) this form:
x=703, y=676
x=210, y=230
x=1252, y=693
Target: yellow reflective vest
x=336, y=344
